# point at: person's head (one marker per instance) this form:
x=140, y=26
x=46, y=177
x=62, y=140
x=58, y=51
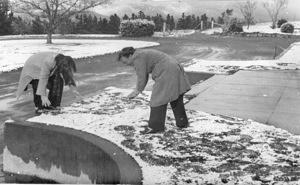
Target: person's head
x=66, y=66
x=125, y=55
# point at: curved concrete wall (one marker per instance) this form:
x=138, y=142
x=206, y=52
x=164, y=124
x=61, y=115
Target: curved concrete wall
x=39, y=153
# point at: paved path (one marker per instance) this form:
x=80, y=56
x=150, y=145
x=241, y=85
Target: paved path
x=270, y=97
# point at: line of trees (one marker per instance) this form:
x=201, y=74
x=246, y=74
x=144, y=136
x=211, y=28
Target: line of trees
x=90, y=24
x=184, y=22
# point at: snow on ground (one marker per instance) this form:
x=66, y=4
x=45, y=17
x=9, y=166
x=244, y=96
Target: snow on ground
x=213, y=150
x=174, y=33
x=265, y=28
x=14, y=53
x=58, y=35
x=259, y=27
x=289, y=60
x=229, y=67
x=212, y=31
x=292, y=54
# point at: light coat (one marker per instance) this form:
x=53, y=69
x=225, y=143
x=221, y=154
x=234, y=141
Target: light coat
x=38, y=66
x=169, y=76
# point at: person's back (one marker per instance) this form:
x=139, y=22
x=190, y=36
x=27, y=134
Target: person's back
x=36, y=62
x=154, y=56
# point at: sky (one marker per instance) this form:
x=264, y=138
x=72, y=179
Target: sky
x=176, y=7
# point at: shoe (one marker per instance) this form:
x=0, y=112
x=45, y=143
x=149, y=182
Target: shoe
x=50, y=108
x=39, y=112
x=183, y=127
x=151, y=131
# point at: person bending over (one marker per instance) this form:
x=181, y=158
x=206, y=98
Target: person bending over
x=170, y=84
x=47, y=70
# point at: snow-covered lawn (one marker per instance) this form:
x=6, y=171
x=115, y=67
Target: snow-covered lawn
x=265, y=28
x=292, y=54
x=13, y=53
x=174, y=33
x=212, y=31
x=289, y=60
x=213, y=150
x=58, y=35
x=260, y=27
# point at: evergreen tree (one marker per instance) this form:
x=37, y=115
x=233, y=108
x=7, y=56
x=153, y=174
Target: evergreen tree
x=84, y=23
x=198, y=23
x=172, y=23
x=141, y=15
x=80, y=24
x=20, y=27
x=168, y=22
x=181, y=22
x=104, y=26
x=5, y=18
x=67, y=27
x=194, y=22
x=114, y=24
x=133, y=16
x=204, y=18
x=95, y=24
x=89, y=24
x=159, y=22
x=225, y=16
x=229, y=12
x=220, y=20
x=188, y=22
x=99, y=25
x=37, y=26
x=125, y=17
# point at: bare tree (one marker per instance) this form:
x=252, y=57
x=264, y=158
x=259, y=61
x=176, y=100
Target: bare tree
x=274, y=8
x=53, y=12
x=247, y=10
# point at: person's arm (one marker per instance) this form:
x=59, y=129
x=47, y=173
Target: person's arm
x=142, y=77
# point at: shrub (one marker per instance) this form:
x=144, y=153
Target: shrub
x=280, y=22
x=137, y=28
x=235, y=26
x=287, y=28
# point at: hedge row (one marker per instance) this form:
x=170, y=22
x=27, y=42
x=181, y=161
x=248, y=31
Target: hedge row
x=137, y=28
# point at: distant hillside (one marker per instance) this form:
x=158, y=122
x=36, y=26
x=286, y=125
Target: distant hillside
x=213, y=8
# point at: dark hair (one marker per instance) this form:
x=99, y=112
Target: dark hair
x=71, y=63
x=126, y=52
x=65, y=65
x=59, y=57
x=67, y=60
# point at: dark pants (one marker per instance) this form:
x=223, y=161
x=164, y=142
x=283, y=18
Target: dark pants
x=158, y=115
x=55, y=86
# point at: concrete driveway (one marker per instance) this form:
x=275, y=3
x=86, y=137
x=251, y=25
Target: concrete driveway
x=270, y=97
